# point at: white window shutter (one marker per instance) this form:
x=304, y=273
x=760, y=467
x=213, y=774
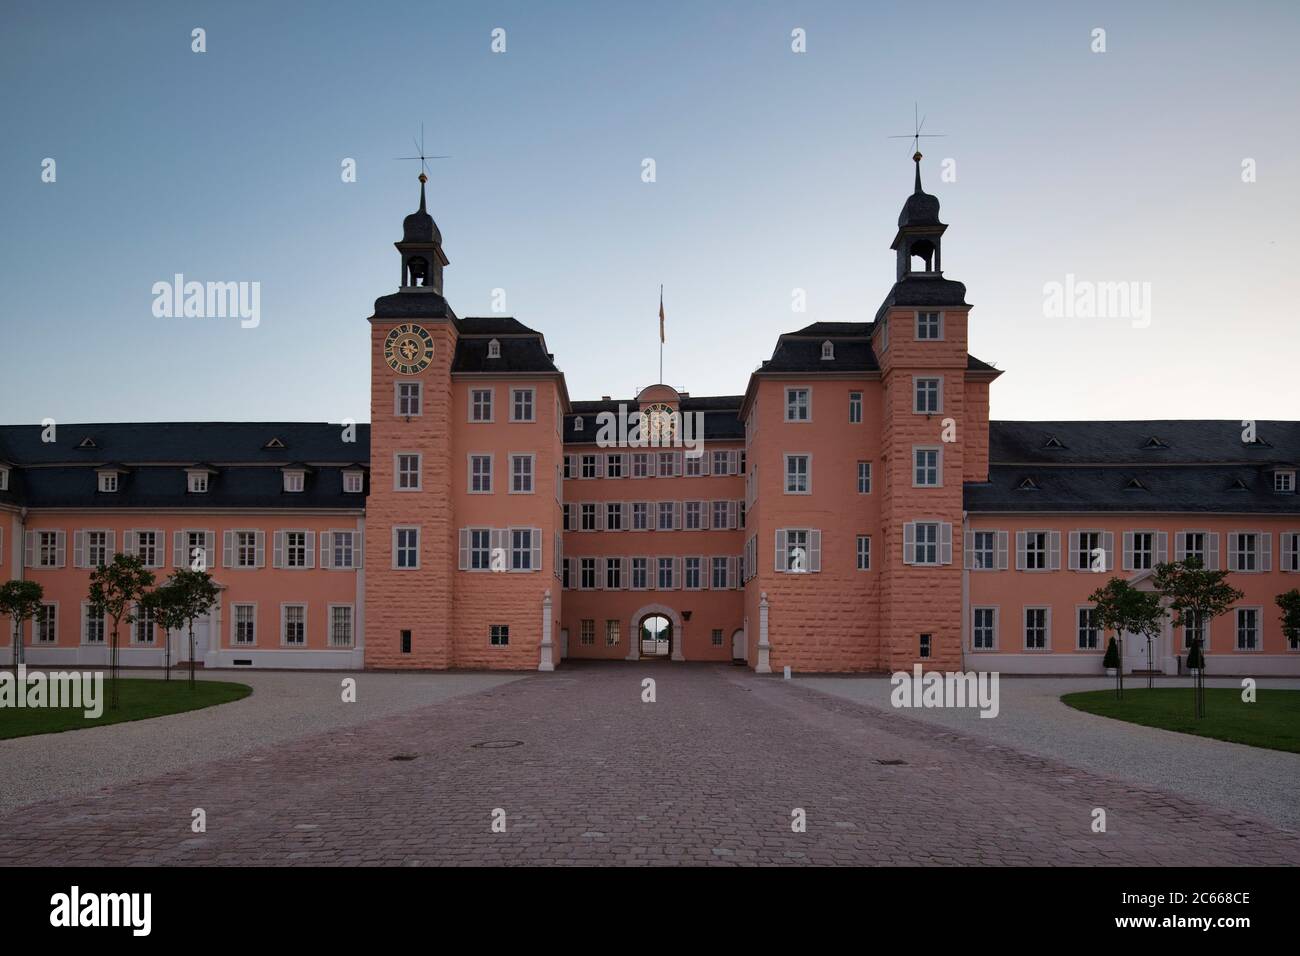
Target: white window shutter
x=1054, y=550
x=1266, y=551
x=815, y=548
x=128, y=542
x=909, y=542
x=277, y=549
x=733, y=515
x=782, y=560
x=677, y=574
x=706, y=515
x=1020, y=550
x=600, y=515
x=1128, y=550
x=310, y=549
x=602, y=568
x=677, y=516
x=1234, y=556
x=1108, y=546
x=1180, y=545
x=705, y=462
x=968, y=549
x=179, y=557
x=1072, y=559
x=600, y=466
x=79, y=549
x=326, y=550
x=499, y=540
x=1001, y=545
x=733, y=572
x=228, y=549
x=1212, y=550
x=1162, y=547
x=945, y=542
x=60, y=548
x=29, y=550
x=1290, y=545
x=463, y=562
x=733, y=462
x=260, y=550
x=536, y=535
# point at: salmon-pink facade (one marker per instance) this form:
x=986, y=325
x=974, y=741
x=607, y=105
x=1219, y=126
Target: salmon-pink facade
x=855, y=509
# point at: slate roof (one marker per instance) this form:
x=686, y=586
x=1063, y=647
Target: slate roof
x=801, y=351
x=721, y=417
x=922, y=291
x=522, y=349
x=1113, y=466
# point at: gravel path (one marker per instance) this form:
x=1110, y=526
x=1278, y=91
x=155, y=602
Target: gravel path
x=284, y=705
x=1256, y=782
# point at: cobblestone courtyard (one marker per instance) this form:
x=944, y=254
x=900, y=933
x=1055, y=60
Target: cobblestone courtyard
x=709, y=773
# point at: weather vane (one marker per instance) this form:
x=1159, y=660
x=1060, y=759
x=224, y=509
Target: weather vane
x=916, y=135
x=421, y=155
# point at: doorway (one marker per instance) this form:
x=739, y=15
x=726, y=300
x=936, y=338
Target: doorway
x=656, y=635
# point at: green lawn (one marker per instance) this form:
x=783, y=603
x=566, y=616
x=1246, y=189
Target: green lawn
x=139, y=700
x=1273, y=721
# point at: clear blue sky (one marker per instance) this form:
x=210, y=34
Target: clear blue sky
x=774, y=172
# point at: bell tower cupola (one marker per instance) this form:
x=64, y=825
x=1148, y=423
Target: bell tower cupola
x=920, y=234
x=421, y=250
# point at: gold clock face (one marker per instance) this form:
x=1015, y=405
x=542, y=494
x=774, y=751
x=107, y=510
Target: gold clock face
x=660, y=424
x=408, y=349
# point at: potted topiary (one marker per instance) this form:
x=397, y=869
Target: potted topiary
x=1111, y=660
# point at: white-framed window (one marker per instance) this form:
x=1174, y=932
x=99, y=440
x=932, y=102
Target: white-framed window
x=614, y=465
x=144, y=627
x=521, y=474
x=1193, y=629
x=927, y=467
x=693, y=573
x=611, y=633
x=927, y=395
x=613, y=574
x=693, y=515
x=340, y=625
x=1088, y=634
x=798, y=404
x=929, y=326
x=108, y=482
x=587, y=516
x=480, y=474
x=97, y=549
x=525, y=549
x=295, y=549
x=984, y=628
x=1289, y=544
x=927, y=543
x=855, y=408
x=667, y=516
x=148, y=546
x=798, y=474
x=407, y=400
x=864, y=477
x=522, y=405
x=864, y=552
x=243, y=624
x=93, y=626
x=1144, y=549
x=46, y=549
x=494, y=349
x=1250, y=551
x=640, y=516
x=640, y=464
x=720, y=580
x=587, y=574
x=666, y=579
x=1089, y=551
x=587, y=467
x=1200, y=545
x=406, y=548
x=341, y=549
x=244, y=549
x=293, y=625
x=406, y=471
x=613, y=516
x=46, y=625
x=478, y=542
x=667, y=464
x=498, y=635
x=694, y=465
x=353, y=482
x=640, y=574
x=1248, y=629
x=4, y=478
x=1284, y=482
x=294, y=481
x=1035, y=549
x=480, y=404
x=798, y=550
x=925, y=645
x=722, y=462
x=986, y=550
x=198, y=482
x=1038, y=621
x=587, y=632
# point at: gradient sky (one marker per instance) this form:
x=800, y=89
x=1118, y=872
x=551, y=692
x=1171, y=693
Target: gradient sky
x=775, y=172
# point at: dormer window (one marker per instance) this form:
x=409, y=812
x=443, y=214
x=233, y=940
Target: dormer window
x=1154, y=442
x=353, y=482
x=1237, y=485
x=87, y=442
x=828, y=351
x=294, y=481
x=1027, y=484
x=4, y=478
x=494, y=349
x=274, y=443
x=1284, y=482
x=108, y=482
x=1135, y=484
x=198, y=482
x=1053, y=442
x=577, y=424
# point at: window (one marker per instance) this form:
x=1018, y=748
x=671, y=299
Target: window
x=1194, y=630
x=494, y=349
x=196, y=553
x=295, y=549
x=587, y=632
x=245, y=623
x=928, y=395
x=96, y=549
x=864, y=477
x=499, y=635
x=143, y=628
x=929, y=326
x=47, y=624
x=408, y=399
x=146, y=545
x=926, y=642
x=1290, y=545
x=640, y=515
x=798, y=404
x=408, y=472
x=198, y=482
x=1036, y=628
x=294, y=626
x=828, y=351
x=1247, y=629
x=521, y=474
x=613, y=574
x=1284, y=482
x=695, y=465
x=1089, y=629
x=719, y=581
x=925, y=472
x=480, y=474
x=1249, y=551
x=715, y=637
x=692, y=568
x=798, y=550
x=641, y=465
x=108, y=481
x=984, y=628
x=614, y=466
x=667, y=464
x=611, y=633
x=587, y=467
x=721, y=462
x=640, y=574
x=984, y=550
x=480, y=405
x=246, y=549
x=577, y=424
x=694, y=511
x=294, y=481
x=479, y=544
x=93, y=626
x=405, y=641
x=406, y=548
x=4, y=478
x=1089, y=553
x=353, y=482
x=855, y=408
x=521, y=405
x=722, y=514
x=587, y=574
x=667, y=509
x=521, y=549
x=613, y=516
x=1193, y=546
x=797, y=477
x=926, y=542
x=864, y=552
x=665, y=577
x=340, y=625
x=1142, y=554
x=587, y=516
x=1036, y=551
x=343, y=548
x=47, y=548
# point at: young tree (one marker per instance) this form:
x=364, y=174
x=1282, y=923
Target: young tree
x=195, y=595
x=21, y=600
x=114, y=588
x=169, y=613
x=1196, y=596
x=1289, y=603
x=1122, y=608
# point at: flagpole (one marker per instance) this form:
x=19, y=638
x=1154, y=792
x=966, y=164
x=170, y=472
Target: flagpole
x=661, y=334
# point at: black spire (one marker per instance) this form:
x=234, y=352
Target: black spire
x=419, y=226
x=921, y=209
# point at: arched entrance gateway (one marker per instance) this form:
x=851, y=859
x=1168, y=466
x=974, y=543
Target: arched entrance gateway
x=656, y=636
x=656, y=633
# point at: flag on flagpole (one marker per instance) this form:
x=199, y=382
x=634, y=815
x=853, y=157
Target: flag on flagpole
x=661, y=315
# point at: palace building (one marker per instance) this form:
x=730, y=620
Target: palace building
x=854, y=509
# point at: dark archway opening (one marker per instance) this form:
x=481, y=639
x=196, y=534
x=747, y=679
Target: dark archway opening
x=656, y=635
